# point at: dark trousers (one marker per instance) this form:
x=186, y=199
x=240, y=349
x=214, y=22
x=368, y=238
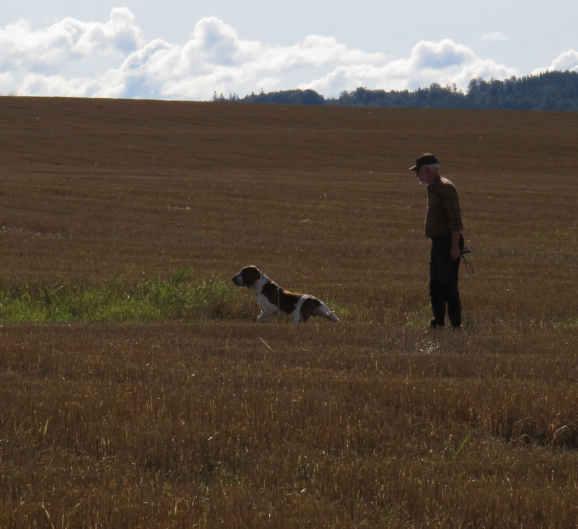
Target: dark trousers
x=443, y=284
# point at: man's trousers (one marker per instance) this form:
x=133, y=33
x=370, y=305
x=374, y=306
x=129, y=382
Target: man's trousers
x=443, y=284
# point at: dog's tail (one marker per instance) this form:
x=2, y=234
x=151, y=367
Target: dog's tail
x=324, y=311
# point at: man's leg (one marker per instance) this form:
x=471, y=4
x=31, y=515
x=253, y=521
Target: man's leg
x=438, y=281
x=453, y=296
x=438, y=304
x=454, y=305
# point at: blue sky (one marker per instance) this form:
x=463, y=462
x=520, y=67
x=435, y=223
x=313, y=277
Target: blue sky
x=188, y=50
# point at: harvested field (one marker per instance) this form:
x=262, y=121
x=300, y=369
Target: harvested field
x=207, y=419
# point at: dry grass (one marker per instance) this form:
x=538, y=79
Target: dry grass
x=372, y=423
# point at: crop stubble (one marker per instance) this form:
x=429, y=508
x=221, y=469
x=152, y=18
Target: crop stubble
x=226, y=423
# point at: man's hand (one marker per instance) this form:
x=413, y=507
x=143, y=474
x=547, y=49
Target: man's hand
x=455, y=253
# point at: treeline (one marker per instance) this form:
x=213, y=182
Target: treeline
x=555, y=91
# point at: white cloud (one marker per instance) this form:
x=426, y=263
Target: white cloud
x=6, y=83
x=56, y=85
x=215, y=58
x=216, y=42
x=440, y=55
x=444, y=62
x=46, y=50
x=565, y=61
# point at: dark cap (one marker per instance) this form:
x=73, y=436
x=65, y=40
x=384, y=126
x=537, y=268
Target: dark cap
x=426, y=158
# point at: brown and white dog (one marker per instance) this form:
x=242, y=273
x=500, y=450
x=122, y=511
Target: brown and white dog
x=272, y=299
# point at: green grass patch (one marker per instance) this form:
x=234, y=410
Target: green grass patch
x=177, y=297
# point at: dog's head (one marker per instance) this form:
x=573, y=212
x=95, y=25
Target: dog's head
x=247, y=276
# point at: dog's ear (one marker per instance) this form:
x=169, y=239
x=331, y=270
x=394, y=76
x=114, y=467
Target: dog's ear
x=250, y=274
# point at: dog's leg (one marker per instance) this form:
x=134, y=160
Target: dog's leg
x=265, y=314
x=324, y=311
x=297, y=317
x=262, y=317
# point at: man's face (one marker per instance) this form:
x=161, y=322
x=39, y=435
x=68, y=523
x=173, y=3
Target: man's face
x=426, y=175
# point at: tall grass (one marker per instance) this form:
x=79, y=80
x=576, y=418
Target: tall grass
x=178, y=297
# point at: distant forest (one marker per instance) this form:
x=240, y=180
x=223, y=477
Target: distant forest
x=554, y=91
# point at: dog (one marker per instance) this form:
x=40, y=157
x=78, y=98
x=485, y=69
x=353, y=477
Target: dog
x=272, y=299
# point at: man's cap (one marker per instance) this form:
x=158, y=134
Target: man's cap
x=426, y=158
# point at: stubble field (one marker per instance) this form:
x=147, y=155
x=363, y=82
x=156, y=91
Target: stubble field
x=205, y=419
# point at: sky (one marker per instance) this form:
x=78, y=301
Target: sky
x=192, y=50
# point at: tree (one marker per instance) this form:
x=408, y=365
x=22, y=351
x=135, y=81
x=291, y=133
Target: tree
x=547, y=91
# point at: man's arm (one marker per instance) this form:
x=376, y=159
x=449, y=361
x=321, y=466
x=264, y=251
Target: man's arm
x=452, y=208
x=456, y=251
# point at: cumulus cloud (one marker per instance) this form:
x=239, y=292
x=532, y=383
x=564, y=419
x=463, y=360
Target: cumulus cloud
x=567, y=61
x=46, y=50
x=216, y=59
x=6, y=83
x=445, y=62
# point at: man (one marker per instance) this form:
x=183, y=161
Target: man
x=443, y=225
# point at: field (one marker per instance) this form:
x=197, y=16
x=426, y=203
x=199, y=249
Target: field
x=137, y=391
